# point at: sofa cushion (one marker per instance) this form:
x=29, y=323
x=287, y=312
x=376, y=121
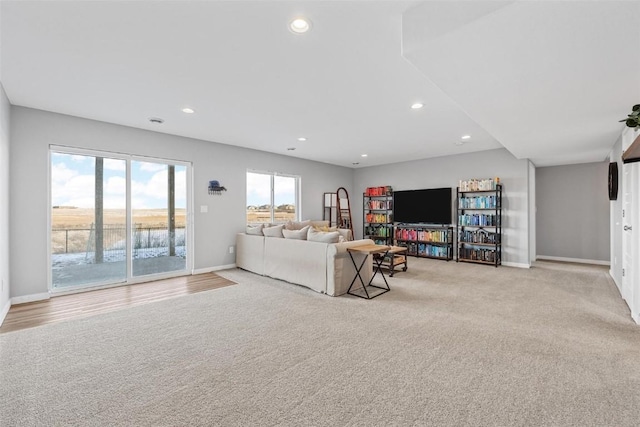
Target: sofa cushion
x=255, y=230
x=275, y=231
x=296, y=234
x=293, y=225
x=323, y=236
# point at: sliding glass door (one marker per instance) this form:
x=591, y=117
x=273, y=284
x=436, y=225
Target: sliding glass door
x=116, y=219
x=158, y=200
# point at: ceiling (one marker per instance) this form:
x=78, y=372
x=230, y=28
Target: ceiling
x=547, y=80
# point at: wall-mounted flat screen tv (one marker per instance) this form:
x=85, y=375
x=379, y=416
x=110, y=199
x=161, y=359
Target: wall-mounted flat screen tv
x=430, y=206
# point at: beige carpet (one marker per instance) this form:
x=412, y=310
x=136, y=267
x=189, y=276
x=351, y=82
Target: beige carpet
x=451, y=344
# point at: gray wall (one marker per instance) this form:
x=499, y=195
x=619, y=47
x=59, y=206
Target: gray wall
x=32, y=131
x=4, y=202
x=573, y=211
x=446, y=172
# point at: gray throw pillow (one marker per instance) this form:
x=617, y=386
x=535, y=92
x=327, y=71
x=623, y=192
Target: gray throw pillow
x=296, y=234
x=323, y=236
x=255, y=230
x=275, y=231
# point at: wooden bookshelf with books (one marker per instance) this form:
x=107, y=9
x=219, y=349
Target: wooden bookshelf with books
x=425, y=241
x=377, y=224
x=479, y=221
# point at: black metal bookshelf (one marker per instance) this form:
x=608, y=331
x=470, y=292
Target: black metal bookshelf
x=479, y=226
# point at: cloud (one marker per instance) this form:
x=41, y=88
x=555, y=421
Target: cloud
x=115, y=165
x=152, y=167
x=76, y=191
x=77, y=158
x=61, y=173
x=153, y=193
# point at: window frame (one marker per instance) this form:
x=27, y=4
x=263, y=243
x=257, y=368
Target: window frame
x=273, y=175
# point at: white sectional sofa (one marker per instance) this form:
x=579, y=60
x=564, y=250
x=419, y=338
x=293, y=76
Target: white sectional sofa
x=323, y=267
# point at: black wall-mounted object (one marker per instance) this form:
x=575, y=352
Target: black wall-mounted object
x=428, y=206
x=613, y=181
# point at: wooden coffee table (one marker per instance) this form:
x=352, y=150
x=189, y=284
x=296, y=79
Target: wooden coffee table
x=396, y=256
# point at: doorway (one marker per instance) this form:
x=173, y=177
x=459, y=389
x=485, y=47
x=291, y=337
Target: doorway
x=116, y=219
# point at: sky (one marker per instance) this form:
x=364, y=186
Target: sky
x=259, y=189
x=72, y=183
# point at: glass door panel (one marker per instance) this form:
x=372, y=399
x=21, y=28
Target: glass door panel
x=158, y=217
x=88, y=220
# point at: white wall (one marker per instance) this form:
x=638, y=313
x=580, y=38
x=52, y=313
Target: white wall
x=446, y=172
x=32, y=131
x=4, y=203
x=573, y=212
x=615, y=220
x=532, y=212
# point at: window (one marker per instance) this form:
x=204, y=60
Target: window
x=272, y=197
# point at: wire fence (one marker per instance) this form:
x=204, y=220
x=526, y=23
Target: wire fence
x=114, y=238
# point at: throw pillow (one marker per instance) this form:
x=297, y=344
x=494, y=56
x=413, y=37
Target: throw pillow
x=323, y=236
x=324, y=228
x=345, y=233
x=318, y=224
x=292, y=225
x=275, y=231
x=296, y=234
x=255, y=230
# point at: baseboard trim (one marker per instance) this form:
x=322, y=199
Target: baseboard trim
x=216, y=268
x=516, y=264
x=30, y=298
x=577, y=260
x=5, y=310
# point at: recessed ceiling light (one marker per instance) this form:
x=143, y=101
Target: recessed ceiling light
x=291, y=149
x=302, y=139
x=188, y=110
x=300, y=25
x=156, y=120
x=363, y=155
x=417, y=106
x=466, y=136
x=355, y=163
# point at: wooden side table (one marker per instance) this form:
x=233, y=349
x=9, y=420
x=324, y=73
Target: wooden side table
x=377, y=268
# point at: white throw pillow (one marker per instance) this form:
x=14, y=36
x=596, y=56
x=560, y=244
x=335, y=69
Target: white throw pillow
x=323, y=236
x=275, y=231
x=345, y=233
x=292, y=225
x=255, y=230
x=296, y=234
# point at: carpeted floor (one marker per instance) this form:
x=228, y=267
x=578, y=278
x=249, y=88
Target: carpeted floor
x=451, y=344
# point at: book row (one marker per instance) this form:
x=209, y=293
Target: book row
x=478, y=220
x=478, y=236
x=477, y=202
x=488, y=255
x=378, y=191
x=378, y=218
x=378, y=231
x=426, y=250
x=379, y=204
x=423, y=235
x=478, y=184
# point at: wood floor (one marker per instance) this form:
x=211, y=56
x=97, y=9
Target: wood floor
x=56, y=309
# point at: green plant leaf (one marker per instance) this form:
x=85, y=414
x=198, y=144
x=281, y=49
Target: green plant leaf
x=635, y=107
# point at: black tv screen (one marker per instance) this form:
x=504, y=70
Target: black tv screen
x=430, y=206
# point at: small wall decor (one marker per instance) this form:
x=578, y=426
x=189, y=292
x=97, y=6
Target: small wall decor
x=215, y=187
